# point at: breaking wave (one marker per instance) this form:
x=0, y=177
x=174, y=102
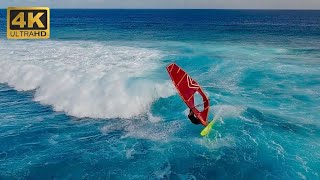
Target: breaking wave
x=84, y=79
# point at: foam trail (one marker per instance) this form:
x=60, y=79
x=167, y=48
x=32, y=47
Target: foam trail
x=85, y=79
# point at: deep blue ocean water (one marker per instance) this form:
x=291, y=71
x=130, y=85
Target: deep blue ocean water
x=95, y=101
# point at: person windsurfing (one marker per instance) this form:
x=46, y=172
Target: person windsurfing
x=193, y=118
x=186, y=88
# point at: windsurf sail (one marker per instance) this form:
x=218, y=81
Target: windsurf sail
x=187, y=87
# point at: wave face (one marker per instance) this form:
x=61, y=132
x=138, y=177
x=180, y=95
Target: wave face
x=84, y=79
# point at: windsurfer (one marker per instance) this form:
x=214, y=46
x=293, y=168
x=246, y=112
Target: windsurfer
x=193, y=118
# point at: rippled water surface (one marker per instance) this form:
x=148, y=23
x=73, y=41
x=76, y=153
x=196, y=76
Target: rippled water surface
x=95, y=101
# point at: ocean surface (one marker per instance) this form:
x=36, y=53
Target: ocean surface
x=95, y=100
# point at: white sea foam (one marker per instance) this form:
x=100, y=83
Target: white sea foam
x=156, y=132
x=218, y=142
x=228, y=111
x=84, y=79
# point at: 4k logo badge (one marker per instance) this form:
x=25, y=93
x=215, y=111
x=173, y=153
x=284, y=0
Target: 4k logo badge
x=28, y=23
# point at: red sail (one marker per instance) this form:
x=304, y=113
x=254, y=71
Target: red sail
x=187, y=87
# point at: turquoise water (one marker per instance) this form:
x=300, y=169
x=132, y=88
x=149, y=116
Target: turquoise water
x=95, y=101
